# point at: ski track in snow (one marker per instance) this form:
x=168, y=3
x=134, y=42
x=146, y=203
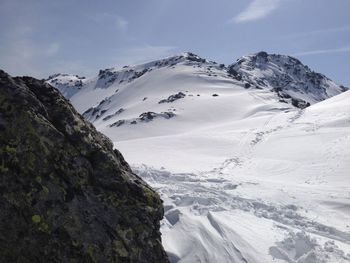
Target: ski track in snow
x=214, y=194
x=254, y=138
x=205, y=193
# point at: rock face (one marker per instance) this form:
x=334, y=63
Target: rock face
x=66, y=195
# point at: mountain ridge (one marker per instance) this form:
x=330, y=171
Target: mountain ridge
x=159, y=90
x=292, y=81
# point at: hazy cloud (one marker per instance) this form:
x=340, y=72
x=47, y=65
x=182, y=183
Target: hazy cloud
x=323, y=51
x=120, y=22
x=52, y=49
x=27, y=56
x=318, y=32
x=257, y=9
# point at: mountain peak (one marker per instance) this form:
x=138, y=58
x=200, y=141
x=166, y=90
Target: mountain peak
x=264, y=57
x=285, y=75
x=68, y=84
x=193, y=57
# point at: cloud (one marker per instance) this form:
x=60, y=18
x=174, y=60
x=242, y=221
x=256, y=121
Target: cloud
x=318, y=32
x=121, y=23
x=26, y=56
x=118, y=21
x=323, y=51
x=257, y=9
x=29, y=50
x=52, y=49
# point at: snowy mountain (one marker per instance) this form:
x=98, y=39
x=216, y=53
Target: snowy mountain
x=248, y=171
x=157, y=90
x=286, y=76
x=67, y=84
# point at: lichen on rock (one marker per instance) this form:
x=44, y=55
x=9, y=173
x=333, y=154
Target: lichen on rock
x=66, y=195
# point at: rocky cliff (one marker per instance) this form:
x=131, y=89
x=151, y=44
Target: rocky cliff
x=65, y=194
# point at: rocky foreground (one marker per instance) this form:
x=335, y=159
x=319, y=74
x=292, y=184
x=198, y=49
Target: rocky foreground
x=66, y=195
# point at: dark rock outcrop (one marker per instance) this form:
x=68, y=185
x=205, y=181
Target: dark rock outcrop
x=144, y=117
x=65, y=194
x=172, y=98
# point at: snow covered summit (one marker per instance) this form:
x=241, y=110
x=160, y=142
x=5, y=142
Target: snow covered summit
x=287, y=76
x=67, y=84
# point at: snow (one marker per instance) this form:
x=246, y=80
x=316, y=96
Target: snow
x=244, y=177
x=68, y=84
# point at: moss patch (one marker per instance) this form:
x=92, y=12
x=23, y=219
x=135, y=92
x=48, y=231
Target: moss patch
x=36, y=219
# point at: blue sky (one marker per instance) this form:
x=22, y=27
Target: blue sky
x=40, y=37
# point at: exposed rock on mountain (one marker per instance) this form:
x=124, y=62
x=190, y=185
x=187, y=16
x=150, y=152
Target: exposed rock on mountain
x=291, y=80
x=66, y=195
x=144, y=117
x=173, y=98
x=114, y=114
x=66, y=83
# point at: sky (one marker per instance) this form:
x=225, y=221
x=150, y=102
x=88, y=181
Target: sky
x=41, y=37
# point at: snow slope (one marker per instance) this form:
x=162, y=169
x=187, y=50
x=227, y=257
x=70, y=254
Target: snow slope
x=283, y=195
x=246, y=173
